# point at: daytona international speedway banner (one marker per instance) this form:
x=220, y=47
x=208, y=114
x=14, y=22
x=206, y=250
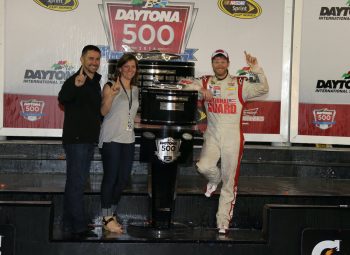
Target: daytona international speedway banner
x=320, y=106
x=42, y=42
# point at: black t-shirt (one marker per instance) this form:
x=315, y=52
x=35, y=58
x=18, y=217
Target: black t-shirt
x=82, y=117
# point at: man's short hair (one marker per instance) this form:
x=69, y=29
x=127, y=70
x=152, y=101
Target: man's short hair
x=90, y=47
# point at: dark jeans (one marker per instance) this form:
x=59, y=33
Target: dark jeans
x=117, y=161
x=78, y=159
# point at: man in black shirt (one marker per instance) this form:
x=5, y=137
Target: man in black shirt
x=80, y=96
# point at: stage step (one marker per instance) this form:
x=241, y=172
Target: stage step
x=32, y=176
x=191, y=205
x=25, y=228
x=258, y=160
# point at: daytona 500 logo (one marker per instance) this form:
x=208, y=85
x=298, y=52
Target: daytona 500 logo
x=148, y=25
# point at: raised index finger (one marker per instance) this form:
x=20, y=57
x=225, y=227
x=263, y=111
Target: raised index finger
x=81, y=71
x=247, y=56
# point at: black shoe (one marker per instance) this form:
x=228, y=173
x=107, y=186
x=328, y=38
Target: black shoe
x=90, y=226
x=117, y=219
x=84, y=234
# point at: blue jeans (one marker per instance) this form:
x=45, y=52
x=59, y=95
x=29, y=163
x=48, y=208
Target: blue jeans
x=117, y=161
x=78, y=160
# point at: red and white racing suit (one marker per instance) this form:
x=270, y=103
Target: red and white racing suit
x=223, y=137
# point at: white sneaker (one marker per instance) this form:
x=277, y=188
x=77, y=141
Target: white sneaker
x=210, y=189
x=223, y=230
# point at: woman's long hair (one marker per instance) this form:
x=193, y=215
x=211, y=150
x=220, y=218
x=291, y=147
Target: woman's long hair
x=125, y=58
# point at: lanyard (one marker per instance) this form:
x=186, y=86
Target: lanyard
x=129, y=98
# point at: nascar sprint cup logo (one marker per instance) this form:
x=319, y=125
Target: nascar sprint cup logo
x=168, y=149
x=32, y=109
x=58, y=5
x=324, y=118
x=241, y=9
x=147, y=25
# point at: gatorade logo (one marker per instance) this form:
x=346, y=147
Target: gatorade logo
x=326, y=247
x=0, y=243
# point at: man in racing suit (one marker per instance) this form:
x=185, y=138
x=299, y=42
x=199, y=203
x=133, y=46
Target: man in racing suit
x=223, y=137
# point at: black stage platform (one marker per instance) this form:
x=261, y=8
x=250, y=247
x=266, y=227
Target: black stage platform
x=283, y=192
